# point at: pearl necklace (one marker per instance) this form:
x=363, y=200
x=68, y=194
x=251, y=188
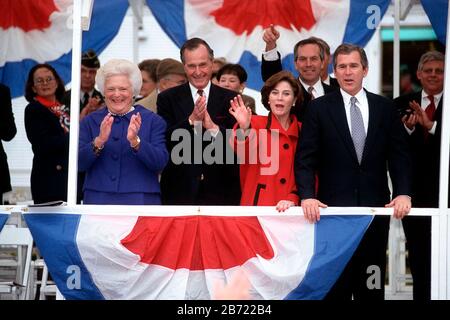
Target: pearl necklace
x=121, y=114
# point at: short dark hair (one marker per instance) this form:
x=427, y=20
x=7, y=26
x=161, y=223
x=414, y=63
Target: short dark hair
x=347, y=48
x=234, y=69
x=149, y=66
x=60, y=89
x=194, y=43
x=324, y=44
x=90, y=59
x=310, y=40
x=272, y=82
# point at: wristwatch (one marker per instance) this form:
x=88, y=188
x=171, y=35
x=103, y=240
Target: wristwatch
x=96, y=149
x=138, y=142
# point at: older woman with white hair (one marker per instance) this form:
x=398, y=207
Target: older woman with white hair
x=122, y=147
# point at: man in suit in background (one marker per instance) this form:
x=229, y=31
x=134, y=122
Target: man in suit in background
x=90, y=98
x=198, y=112
x=309, y=58
x=324, y=75
x=421, y=115
x=7, y=132
x=348, y=140
x=169, y=73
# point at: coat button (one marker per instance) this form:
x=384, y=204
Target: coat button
x=286, y=146
x=115, y=156
x=282, y=180
x=202, y=177
x=58, y=167
x=115, y=138
x=113, y=178
x=117, y=120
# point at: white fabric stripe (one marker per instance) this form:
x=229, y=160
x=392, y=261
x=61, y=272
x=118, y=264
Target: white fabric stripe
x=48, y=49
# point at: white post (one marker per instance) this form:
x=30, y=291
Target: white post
x=396, y=66
x=443, y=251
x=74, y=104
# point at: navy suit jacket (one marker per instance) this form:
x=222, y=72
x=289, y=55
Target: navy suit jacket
x=7, y=131
x=425, y=155
x=326, y=149
x=196, y=182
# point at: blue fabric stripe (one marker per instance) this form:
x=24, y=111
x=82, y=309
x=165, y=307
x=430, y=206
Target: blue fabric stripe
x=107, y=16
x=358, y=31
x=332, y=252
x=170, y=16
x=436, y=11
x=3, y=218
x=62, y=256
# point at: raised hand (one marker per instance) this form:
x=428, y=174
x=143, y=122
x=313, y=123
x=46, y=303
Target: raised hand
x=240, y=112
x=422, y=117
x=105, y=131
x=93, y=104
x=133, y=128
x=208, y=124
x=270, y=37
x=199, y=110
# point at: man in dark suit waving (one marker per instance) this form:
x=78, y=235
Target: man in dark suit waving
x=349, y=140
x=422, y=114
x=309, y=59
x=199, y=171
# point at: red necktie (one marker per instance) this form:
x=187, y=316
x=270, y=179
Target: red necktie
x=431, y=108
x=200, y=92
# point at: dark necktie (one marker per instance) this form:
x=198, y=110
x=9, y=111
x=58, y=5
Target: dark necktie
x=200, y=92
x=85, y=100
x=310, y=91
x=358, y=132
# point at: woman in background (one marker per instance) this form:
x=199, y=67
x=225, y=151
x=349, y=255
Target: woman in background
x=47, y=123
x=234, y=77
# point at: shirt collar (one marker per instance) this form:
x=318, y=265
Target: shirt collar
x=360, y=96
x=437, y=96
x=205, y=91
x=317, y=86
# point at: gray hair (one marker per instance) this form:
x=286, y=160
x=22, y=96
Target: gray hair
x=430, y=56
x=119, y=67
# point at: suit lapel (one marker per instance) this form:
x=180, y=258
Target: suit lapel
x=339, y=118
x=187, y=103
x=214, y=95
x=375, y=117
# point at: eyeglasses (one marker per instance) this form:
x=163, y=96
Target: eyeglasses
x=41, y=81
x=437, y=71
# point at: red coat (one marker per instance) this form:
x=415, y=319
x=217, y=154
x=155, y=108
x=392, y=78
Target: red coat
x=266, y=176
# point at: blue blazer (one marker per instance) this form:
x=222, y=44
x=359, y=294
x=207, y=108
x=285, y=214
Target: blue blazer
x=118, y=168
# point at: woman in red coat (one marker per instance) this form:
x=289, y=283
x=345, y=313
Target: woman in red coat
x=266, y=145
